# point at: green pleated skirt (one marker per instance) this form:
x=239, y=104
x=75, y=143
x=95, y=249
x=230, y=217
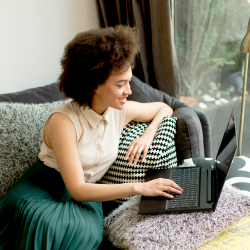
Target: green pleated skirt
x=38, y=213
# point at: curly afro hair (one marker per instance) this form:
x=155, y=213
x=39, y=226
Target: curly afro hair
x=92, y=56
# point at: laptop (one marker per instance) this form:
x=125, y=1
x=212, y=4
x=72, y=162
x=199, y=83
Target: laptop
x=201, y=184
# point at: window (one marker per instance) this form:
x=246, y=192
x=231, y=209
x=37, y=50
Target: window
x=208, y=36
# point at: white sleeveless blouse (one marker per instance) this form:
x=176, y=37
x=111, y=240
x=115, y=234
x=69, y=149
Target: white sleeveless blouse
x=97, y=139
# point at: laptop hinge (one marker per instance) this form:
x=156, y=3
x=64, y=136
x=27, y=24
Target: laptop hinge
x=209, y=186
x=214, y=184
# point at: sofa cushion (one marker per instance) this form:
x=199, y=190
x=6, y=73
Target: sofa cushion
x=20, y=138
x=161, y=154
x=47, y=93
x=189, y=137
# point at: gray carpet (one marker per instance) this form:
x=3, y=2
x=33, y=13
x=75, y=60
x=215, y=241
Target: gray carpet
x=126, y=229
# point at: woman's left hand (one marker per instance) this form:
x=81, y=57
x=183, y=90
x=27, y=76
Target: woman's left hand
x=138, y=145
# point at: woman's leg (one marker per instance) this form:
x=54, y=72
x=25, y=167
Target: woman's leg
x=39, y=213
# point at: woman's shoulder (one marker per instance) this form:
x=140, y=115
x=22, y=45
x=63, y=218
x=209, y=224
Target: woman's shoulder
x=72, y=113
x=69, y=106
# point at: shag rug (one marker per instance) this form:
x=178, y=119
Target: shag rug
x=128, y=230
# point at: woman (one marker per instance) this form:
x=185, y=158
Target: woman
x=56, y=203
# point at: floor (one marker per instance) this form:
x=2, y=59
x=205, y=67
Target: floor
x=236, y=237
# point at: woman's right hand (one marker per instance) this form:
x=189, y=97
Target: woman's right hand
x=159, y=187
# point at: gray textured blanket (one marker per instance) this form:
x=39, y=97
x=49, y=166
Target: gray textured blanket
x=126, y=229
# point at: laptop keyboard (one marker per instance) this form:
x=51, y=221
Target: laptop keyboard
x=188, y=180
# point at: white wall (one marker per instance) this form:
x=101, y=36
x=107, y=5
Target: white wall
x=33, y=34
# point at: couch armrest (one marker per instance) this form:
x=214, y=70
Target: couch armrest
x=190, y=135
x=206, y=133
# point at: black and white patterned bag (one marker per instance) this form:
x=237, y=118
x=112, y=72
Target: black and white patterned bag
x=161, y=154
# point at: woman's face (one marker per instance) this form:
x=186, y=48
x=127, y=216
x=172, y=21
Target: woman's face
x=113, y=92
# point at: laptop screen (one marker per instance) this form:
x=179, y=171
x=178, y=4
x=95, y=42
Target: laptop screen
x=226, y=153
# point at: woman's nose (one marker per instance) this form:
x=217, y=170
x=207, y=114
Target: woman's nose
x=128, y=90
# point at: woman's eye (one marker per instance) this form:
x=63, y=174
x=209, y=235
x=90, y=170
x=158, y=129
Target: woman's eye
x=120, y=86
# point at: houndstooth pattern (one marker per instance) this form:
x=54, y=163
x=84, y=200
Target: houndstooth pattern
x=161, y=154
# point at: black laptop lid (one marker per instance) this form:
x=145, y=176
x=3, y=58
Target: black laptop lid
x=225, y=155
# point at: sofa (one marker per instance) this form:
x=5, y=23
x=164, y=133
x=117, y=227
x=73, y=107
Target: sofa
x=192, y=138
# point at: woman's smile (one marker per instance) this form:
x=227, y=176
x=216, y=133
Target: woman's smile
x=123, y=100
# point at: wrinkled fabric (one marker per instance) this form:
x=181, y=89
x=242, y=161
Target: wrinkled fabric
x=39, y=213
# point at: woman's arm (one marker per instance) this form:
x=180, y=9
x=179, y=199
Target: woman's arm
x=144, y=112
x=62, y=136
